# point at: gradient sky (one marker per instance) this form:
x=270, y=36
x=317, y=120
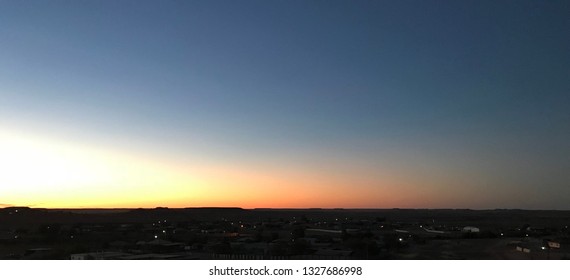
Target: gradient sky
x=355, y=104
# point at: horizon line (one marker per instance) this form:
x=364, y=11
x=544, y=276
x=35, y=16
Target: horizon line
x=269, y=208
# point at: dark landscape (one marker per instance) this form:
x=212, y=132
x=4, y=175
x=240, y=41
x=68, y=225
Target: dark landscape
x=282, y=234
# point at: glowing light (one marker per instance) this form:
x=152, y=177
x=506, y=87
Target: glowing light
x=31, y=165
x=66, y=174
x=48, y=172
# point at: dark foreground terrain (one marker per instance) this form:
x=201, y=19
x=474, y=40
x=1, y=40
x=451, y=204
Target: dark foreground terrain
x=234, y=233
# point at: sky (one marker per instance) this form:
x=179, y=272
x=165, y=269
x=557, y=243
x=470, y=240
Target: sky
x=285, y=104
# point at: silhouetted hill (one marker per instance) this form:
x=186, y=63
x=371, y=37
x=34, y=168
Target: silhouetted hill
x=32, y=217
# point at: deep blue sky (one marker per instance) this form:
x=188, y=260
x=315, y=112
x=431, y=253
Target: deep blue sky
x=472, y=96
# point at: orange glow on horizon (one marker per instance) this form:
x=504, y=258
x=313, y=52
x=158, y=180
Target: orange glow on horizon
x=51, y=173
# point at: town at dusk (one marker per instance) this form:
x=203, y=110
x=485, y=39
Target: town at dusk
x=284, y=130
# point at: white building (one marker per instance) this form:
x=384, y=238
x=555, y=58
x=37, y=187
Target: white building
x=470, y=229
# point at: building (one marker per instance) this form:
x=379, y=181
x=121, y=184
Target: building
x=99, y=256
x=470, y=229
